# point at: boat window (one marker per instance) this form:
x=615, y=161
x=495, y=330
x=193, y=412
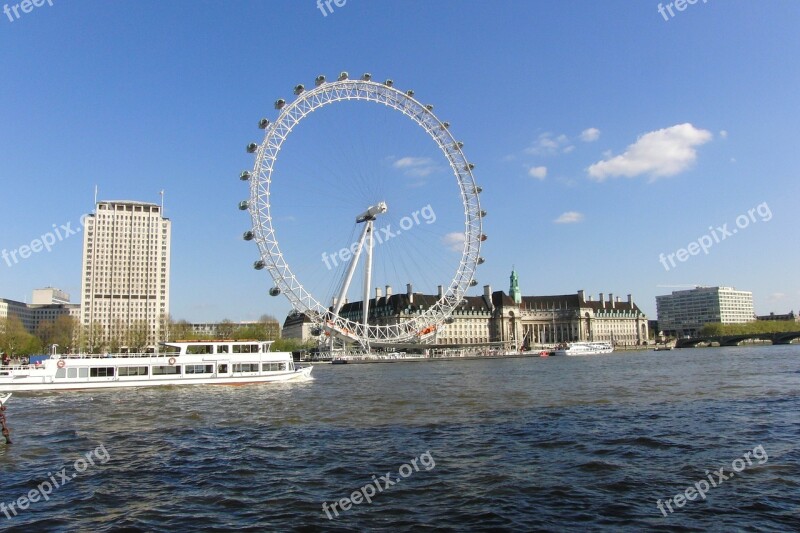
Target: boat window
x=245, y=367
x=83, y=372
x=199, y=369
x=101, y=372
x=273, y=367
x=166, y=370
x=222, y=369
x=200, y=349
x=133, y=371
x=223, y=349
x=245, y=348
x=72, y=372
x=61, y=373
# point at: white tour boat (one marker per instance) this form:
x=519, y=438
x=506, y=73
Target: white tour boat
x=585, y=348
x=184, y=363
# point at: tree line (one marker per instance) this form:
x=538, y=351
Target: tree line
x=66, y=332
x=749, y=328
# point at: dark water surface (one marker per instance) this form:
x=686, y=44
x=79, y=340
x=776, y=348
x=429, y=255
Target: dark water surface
x=558, y=444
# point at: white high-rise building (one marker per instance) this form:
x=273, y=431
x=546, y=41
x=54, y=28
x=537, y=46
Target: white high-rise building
x=125, y=277
x=686, y=312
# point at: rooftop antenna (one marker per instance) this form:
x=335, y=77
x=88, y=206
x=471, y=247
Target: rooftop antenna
x=162, y=202
x=95, y=199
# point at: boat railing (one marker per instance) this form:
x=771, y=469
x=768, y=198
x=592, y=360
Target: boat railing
x=113, y=355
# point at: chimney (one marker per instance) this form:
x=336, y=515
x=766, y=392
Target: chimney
x=378, y=293
x=611, y=299
x=602, y=301
x=630, y=301
x=388, y=290
x=440, y=291
x=410, y=293
x=581, y=296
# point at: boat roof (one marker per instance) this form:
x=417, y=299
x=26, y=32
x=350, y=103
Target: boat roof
x=215, y=342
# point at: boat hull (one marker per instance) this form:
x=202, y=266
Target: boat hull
x=212, y=363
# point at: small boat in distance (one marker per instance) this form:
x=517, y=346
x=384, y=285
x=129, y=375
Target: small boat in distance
x=585, y=348
x=184, y=363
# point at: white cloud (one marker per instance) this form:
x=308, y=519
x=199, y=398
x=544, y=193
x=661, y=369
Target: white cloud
x=570, y=217
x=539, y=173
x=548, y=144
x=660, y=153
x=723, y=134
x=418, y=167
x=454, y=241
x=590, y=135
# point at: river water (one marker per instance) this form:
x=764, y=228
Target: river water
x=553, y=444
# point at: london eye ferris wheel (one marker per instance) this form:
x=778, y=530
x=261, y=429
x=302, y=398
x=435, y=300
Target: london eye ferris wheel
x=278, y=198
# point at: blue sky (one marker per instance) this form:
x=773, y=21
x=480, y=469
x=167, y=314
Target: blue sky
x=603, y=134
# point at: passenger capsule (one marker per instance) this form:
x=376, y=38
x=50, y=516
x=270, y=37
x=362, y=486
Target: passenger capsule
x=482, y=213
x=478, y=189
x=469, y=166
x=251, y=148
x=343, y=76
x=263, y=123
x=248, y=235
x=388, y=83
x=298, y=89
x=445, y=125
x=244, y=205
x=410, y=93
x=244, y=176
x=473, y=282
x=319, y=80
x=429, y=107
x=449, y=320
x=279, y=103
x=259, y=265
x=458, y=145
x=366, y=76
x=316, y=332
x=481, y=260
x=483, y=237
x=274, y=291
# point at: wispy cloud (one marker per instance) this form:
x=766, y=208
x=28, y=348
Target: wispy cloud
x=590, y=135
x=539, y=173
x=454, y=241
x=570, y=217
x=419, y=167
x=550, y=144
x=659, y=154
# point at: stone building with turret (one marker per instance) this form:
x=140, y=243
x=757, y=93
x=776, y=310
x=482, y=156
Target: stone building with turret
x=514, y=320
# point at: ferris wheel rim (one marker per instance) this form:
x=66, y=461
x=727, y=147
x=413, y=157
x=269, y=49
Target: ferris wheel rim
x=260, y=207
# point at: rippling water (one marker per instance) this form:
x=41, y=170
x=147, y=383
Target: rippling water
x=559, y=444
